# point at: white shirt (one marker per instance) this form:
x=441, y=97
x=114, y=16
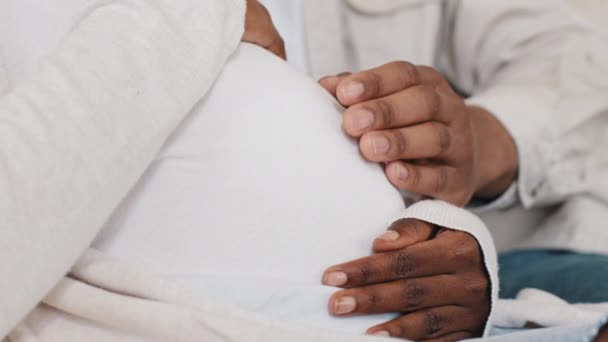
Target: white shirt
x=248, y=203
x=288, y=17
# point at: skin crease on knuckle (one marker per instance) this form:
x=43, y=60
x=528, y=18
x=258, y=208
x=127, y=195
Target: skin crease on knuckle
x=432, y=101
x=387, y=113
x=444, y=138
x=413, y=295
x=401, y=143
x=408, y=73
x=402, y=264
x=374, y=84
x=433, y=323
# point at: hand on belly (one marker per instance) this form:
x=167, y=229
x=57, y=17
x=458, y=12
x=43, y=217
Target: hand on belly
x=436, y=276
x=259, y=188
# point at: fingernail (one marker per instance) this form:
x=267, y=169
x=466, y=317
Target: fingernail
x=326, y=78
x=345, y=305
x=352, y=91
x=390, y=235
x=335, y=279
x=363, y=119
x=380, y=145
x=402, y=172
x=382, y=333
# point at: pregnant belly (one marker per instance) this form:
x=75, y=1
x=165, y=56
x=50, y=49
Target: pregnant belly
x=255, y=195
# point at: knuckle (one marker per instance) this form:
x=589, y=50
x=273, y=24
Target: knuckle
x=413, y=295
x=444, y=138
x=402, y=265
x=407, y=73
x=374, y=84
x=435, y=76
x=414, y=178
x=374, y=300
x=387, y=112
x=441, y=182
x=431, y=102
x=364, y=274
x=433, y=323
x=400, y=143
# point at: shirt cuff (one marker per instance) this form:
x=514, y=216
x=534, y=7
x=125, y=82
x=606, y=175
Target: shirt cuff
x=507, y=200
x=526, y=112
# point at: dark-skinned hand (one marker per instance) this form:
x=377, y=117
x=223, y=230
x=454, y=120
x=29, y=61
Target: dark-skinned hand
x=260, y=30
x=436, y=277
x=409, y=118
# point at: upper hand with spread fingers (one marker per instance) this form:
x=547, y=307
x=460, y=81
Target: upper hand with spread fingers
x=432, y=143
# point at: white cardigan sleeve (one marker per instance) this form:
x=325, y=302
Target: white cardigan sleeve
x=541, y=70
x=76, y=137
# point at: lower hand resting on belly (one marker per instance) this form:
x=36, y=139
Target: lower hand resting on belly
x=435, y=276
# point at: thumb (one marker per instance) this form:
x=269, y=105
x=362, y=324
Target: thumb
x=403, y=233
x=330, y=83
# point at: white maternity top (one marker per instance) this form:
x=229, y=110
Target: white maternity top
x=256, y=195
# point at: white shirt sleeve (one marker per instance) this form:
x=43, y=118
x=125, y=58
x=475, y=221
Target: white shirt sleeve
x=541, y=70
x=76, y=137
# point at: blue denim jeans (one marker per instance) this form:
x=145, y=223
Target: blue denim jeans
x=577, y=278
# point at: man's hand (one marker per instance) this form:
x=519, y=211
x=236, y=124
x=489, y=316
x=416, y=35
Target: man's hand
x=260, y=30
x=433, y=144
x=436, y=277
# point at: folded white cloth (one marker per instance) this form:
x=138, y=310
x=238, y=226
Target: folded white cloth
x=546, y=310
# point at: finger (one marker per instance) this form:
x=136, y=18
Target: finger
x=435, y=181
x=330, y=83
x=405, y=108
x=420, y=260
x=403, y=233
x=260, y=30
x=453, y=337
x=430, y=76
x=399, y=296
x=427, y=324
x=429, y=140
x=277, y=47
x=271, y=42
x=451, y=252
x=383, y=81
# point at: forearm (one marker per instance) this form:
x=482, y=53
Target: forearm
x=539, y=73
x=77, y=136
x=496, y=153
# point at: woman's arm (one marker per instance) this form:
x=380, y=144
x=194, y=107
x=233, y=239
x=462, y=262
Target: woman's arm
x=76, y=137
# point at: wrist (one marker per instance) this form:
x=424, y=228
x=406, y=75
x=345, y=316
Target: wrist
x=496, y=155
